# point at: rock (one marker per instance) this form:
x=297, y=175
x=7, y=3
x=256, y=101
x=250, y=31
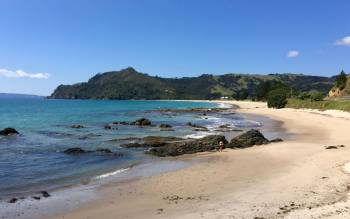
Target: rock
x=197, y=127
x=9, y=131
x=74, y=151
x=276, y=140
x=13, y=200
x=108, y=126
x=36, y=197
x=121, y=123
x=45, y=194
x=331, y=147
x=77, y=126
x=165, y=126
x=248, y=139
x=143, y=122
x=133, y=145
x=152, y=141
x=191, y=146
x=226, y=126
x=104, y=150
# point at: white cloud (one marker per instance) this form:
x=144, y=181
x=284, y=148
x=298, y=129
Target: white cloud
x=292, y=54
x=22, y=74
x=343, y=42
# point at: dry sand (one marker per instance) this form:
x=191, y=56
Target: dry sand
x=297, y=178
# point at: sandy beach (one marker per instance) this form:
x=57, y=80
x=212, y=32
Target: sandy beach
x=297, y=178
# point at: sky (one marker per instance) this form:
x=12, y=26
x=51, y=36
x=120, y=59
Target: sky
x=50, y=42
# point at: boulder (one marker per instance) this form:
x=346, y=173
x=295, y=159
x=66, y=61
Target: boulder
x=190, y=146
x=248, y=139
x=143, y=122
x=9, y=131
x=152, y=141
x=104, y=150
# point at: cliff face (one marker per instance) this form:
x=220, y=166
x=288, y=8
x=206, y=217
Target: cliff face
x=130, y=84
x=340, y=92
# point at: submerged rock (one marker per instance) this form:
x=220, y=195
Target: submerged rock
x=74, y=151
x=9, y=131
x=190, y=146
x=248, y=139
x=77, y=126
x=78, y=151
x=45, y=194
x=165, y=126
x=152, y=141
x=197, y=127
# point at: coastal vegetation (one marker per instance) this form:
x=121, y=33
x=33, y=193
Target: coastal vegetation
x=130, y=84
x=320, y=105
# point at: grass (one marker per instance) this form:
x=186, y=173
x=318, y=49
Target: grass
x=320, y=105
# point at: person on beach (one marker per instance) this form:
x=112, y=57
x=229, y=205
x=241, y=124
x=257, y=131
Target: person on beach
x=221, y=146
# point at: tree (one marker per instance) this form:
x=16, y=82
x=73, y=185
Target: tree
x=316, y=96
x=277, y=98
x=341, y=80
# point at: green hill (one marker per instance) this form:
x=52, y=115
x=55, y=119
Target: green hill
x=130, y=84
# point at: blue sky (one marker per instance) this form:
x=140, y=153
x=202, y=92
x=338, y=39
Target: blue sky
x=56, y=42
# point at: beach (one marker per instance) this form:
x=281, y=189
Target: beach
x=297, y=178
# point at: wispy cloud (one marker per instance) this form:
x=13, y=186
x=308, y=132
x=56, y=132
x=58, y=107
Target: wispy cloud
x=343, y=42
x=22, y=74
x=292, y=54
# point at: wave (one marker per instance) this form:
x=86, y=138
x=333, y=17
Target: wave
x=119, y=171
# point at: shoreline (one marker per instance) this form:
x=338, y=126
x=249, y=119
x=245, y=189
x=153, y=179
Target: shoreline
x=294, y=179
x=262, y=181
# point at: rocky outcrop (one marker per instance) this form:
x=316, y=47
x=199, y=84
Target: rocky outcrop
x=9, y=131
x=248, y=139
x=190, y=146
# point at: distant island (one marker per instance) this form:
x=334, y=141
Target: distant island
x=129, y=84
x=19, y=96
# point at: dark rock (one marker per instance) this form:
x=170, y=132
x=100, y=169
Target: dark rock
x=74, y=151
x=191, y=146
x=9, y=131
x=226, y=126
x=276, y=140
x=45, y=194
x=104, y=150
x=13, y=200
x=248, y=139
x=133, y=145
x=143, y=122
x=152, y=141
x=165, y=126
x=197, y=127
x=121, y=123
x=108, y=126
x=36, y=197
x=77, y=126
x=331, y=147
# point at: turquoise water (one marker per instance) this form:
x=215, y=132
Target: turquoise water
x=35, y=161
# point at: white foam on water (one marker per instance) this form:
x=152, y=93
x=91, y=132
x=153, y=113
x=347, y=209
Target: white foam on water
x=119, y=171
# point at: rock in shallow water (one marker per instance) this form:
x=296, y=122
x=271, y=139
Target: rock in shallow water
x=9, y=131
x=191, y=146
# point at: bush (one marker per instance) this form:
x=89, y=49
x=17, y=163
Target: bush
x=277, y=99
x=304, y=95
x=316, y=96
x=341, y=80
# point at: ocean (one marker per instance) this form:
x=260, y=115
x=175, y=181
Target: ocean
x=34, y=160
